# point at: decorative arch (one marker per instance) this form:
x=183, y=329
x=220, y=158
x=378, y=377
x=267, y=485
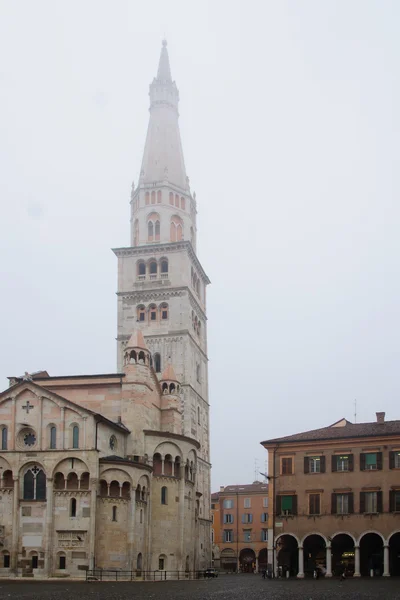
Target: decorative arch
x=157, y=362
x=293, y=535
x=141, y=268
x=164, y=311
x=64, y=467
x=397, y=531
x=152, y=312
x=364, y=533
x=321, y=535
x=163, y=266
x=176, y=229
x=344, y=533
x=152, y=227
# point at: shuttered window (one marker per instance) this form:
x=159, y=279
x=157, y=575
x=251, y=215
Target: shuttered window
x=315, y=504
x=287, y=466
x=394, y=501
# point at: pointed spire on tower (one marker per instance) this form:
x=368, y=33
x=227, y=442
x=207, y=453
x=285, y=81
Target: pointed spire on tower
x=137, y=340
x=163, y=156
x=164, y=70
x=168, y=374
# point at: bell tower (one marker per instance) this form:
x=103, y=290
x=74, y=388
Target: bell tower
x=161, y=283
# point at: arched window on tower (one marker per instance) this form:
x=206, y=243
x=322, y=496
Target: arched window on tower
x=164, y=495
x=157, y=362
x=152, y=312
x=35, y=484
x=141, y=313
x=177, y=200
x=164, y=266
x=183, y=203
x=176, y=229
x=171, y=198
x=141, y=269
x=164, y=311
x=157, y=231
x=114, y=513
x=153, y=197
x=147, y=198
x=153, y=269
x=159, y=197
x=150, y=231
x=73, y=507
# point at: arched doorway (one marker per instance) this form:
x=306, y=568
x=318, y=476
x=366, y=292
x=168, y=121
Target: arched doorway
x=287, y=554
x=343, y=554
x=394, y=554
x=314, y=548
x=228, y=560
x=371, y=554
x=263, y=560
x=247, y=560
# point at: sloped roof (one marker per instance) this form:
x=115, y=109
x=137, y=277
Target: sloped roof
x=168, y=374
x=49, y=392
x=137, y=340
x=251, y=488
x=346, y=431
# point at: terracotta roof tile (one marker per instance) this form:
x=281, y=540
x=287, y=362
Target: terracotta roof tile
x=349, y=430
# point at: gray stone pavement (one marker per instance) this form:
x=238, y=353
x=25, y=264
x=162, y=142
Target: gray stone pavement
x=228, y=587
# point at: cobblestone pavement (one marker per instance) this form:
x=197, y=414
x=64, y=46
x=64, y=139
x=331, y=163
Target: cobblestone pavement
x=228, y=587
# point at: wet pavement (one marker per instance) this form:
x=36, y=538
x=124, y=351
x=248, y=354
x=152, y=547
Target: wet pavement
x=225, y=587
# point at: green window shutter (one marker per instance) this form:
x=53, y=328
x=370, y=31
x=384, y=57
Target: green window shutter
x=371, y=458
x=351, y=462
x=362, y=462
x=306, y=464
x=391, y=460
x=322, y=464
x=379, y=461
x=287, y=503
x=362, y=502
x=351, y=503
x=379, y=502
x=334, y=463
x=333, y=503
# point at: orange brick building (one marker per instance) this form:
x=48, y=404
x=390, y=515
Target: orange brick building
x=240, y=527
x=334, y=495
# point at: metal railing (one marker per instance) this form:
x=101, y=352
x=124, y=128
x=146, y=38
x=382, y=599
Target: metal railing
x=137, y=574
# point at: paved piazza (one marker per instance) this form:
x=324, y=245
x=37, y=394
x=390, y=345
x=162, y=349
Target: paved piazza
x=229, y=587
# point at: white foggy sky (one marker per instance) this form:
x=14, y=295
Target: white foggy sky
x=290, y=128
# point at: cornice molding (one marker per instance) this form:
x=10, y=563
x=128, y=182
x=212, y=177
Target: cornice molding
x=164, y=248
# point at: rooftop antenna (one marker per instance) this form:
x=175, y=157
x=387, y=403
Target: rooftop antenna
x=255, y=469
x=355, y=411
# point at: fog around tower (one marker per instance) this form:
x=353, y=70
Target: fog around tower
x=290, y=125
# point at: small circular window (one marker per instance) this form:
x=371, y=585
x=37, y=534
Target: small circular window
x=113, y=442
x=29, y=439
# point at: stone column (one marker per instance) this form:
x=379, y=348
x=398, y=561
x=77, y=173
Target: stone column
x=162, y=466
x=84, y=432
x=386, y=572
x=62, y=428
x=275, y=563
x=328, y=561
x=48, y=545
x=15, y=526
x=256, y=564
x=40, y=427
x=131, y=531
x=300, y=574
x=148, y=522
x=92, y=530
x=182, y=516
x=13, y=425
x=357, y=561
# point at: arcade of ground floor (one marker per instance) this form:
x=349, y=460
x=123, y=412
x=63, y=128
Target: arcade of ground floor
x=371, y=554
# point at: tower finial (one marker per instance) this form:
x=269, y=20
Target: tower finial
x=164, y=71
